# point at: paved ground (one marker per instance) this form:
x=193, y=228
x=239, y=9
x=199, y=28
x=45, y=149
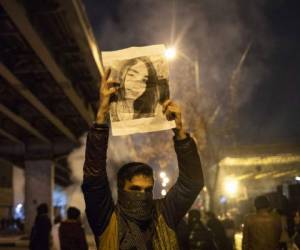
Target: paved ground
x=22, y=244
x=238, y=241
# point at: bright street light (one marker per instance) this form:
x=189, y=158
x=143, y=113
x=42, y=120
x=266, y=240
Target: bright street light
x=170, y=53
x=231, y=186
x=166, y=180
x=163, y=192
x=162, y=174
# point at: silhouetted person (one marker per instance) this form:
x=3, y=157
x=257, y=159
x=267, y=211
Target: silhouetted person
x=229, y=227
x=55, y=233
x=20, y=225
x=284, y=237
x=2, y=224
x=216, y=226
x=71, y=232
x=296, y=235
x=182, y=232
x=200, y=237
x=40, y=233
x=261, y=230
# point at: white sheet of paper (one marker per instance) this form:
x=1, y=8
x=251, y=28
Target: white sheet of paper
x=143, y=74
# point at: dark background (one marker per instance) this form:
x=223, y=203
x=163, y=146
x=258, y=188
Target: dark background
x=218, y=31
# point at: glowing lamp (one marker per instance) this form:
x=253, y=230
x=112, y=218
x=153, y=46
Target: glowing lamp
x=170, y=53
x=231, y=186
x=162, y=175
x=166, y=180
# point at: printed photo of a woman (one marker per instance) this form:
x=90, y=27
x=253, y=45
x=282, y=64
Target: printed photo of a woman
x=140, y=90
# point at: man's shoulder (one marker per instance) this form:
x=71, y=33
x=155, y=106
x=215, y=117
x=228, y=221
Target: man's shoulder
x=276, y=218
x=160, y=206
x=261, y=217
x=158, y=203
x=250, y=217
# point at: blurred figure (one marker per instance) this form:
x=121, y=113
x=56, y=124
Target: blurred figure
x=200, y=237
x=296, y=236
x=20, y=225
x=262, y=230
x=182, y=232
x=40, y=233
x=216, y=226
x=55, y=233
x=229, y=226
x=284, y=237
x=2, y=224
x=71, y=232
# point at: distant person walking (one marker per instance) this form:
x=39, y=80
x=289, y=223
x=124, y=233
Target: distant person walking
x=55, y=233
x=71, y=232
x=182, y=232
x=262, y=230
x=296, y=236
x=284, y=237
x=200, y=237
x=216, y=226
x=229, y=226
x=40, y=233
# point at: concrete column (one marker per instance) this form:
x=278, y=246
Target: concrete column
x=39, y=184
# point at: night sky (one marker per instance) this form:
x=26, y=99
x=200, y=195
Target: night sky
x=217, y=32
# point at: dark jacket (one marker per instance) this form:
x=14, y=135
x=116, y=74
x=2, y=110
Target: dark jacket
x=201, y=238
x=100, y=208
x=296, y=236
x=182, y=232
x=219, y=233
x=40, y=233
x=72, y=236
x=261, y=231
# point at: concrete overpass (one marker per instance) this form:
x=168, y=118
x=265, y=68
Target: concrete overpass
x=49, y=75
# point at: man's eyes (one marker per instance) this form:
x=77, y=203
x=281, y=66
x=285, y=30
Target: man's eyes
x=132, y=72
x=135, y=188
x=149, y=189
x=144, y=79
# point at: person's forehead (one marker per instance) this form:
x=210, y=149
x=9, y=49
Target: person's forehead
x=138, y=67
x=141, y=179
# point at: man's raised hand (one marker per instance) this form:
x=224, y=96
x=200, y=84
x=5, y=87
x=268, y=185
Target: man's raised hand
x=106, y=90
x=173, y=112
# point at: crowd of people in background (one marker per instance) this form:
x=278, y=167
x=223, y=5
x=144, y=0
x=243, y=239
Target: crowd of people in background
x=11, y=224
x=66, y=234
x=206, y=232
x=267, y=229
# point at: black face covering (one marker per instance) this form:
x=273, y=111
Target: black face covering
x=136, y=206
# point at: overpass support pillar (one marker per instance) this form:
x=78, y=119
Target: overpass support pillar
x=39, y=184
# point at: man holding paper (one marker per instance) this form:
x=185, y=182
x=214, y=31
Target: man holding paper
x=137, y=221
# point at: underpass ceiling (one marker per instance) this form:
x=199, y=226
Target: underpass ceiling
x=48, y=88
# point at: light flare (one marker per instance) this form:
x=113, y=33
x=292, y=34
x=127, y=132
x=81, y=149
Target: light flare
x=231, y=186
x=259, y=160
x=163, y=192
x=170, y=53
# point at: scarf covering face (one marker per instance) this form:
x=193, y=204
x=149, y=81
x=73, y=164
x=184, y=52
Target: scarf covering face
x=136, y=210
x=136, y=206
